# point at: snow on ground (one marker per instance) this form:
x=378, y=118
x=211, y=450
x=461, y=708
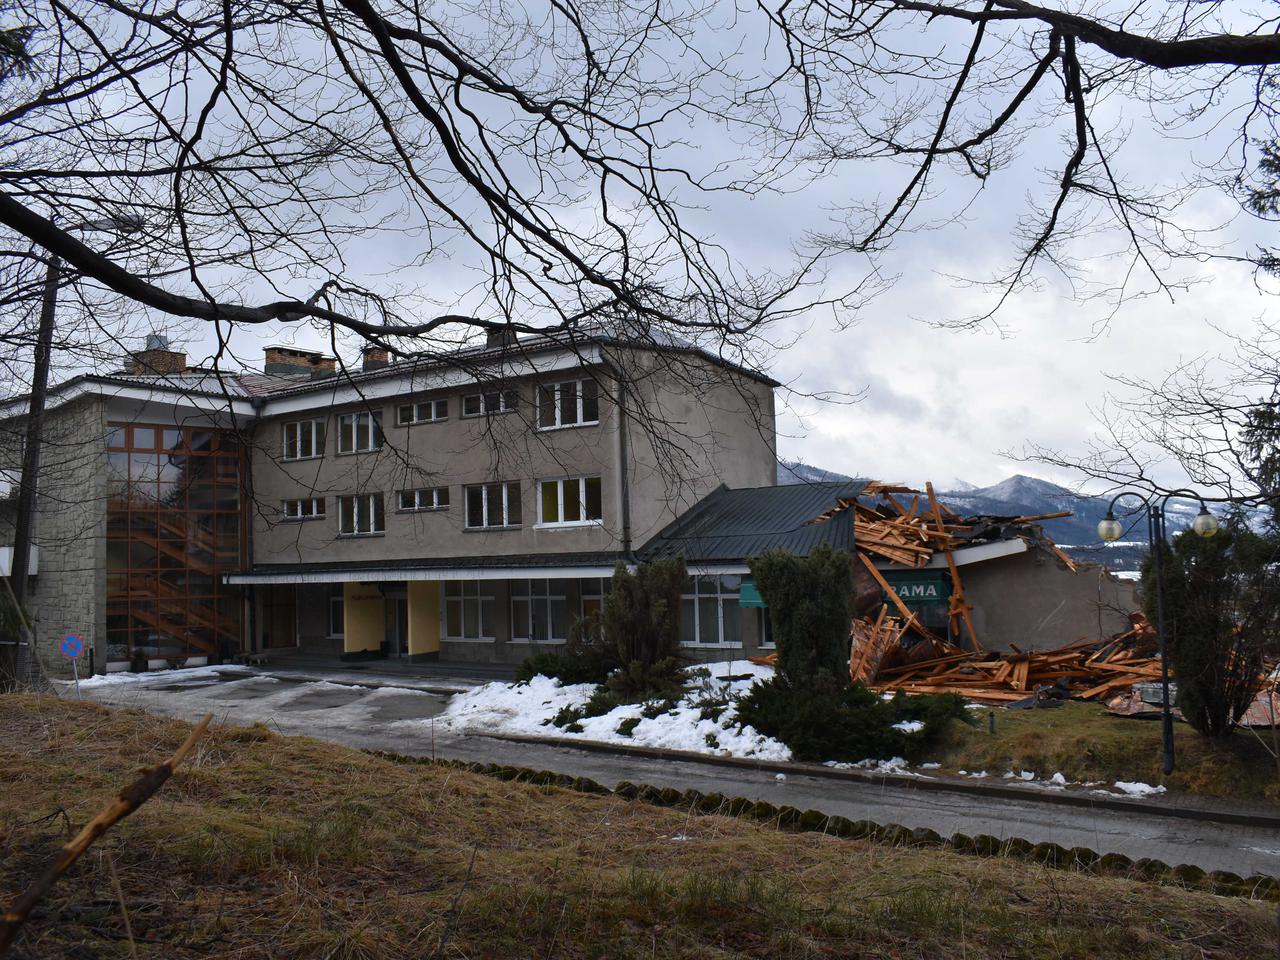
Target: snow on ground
x=1138, y=789
x=124, y=677
x=527, y=709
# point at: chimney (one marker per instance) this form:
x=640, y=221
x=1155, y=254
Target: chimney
x=502, y=337
x=375, y=358
x=290, y=361
x=156, y=357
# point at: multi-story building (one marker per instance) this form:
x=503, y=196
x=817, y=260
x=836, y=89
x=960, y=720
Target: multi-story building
x=470, y=506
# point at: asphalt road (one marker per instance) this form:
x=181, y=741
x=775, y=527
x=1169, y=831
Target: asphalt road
x=371, y=717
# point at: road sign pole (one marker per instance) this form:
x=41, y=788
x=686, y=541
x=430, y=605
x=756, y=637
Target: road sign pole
x=75, y=672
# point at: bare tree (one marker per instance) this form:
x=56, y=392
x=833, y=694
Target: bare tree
x=266, y=146
x=959, y=92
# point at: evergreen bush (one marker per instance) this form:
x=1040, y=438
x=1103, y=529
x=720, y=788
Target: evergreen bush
x=810, y=603
x=1221, y=605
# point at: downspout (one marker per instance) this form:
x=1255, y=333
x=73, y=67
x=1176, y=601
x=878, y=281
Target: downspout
x=628, y=553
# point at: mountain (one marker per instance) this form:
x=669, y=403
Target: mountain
x=795, y=471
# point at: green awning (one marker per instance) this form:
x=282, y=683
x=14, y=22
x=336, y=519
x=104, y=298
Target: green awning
x=749, y=596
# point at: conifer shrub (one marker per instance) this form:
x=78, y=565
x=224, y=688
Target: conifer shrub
x=810, y=603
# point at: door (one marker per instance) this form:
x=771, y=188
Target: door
x=400, y=626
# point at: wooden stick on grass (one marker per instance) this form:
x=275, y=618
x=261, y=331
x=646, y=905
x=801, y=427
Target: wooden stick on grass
x=129, y=800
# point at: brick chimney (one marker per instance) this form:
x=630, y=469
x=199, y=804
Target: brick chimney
x=290, y=361
x=375, y=358
x=156, y=357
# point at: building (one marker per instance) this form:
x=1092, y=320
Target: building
x=468, y=506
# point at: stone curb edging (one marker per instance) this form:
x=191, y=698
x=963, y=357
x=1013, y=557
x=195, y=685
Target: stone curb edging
x=995, y=790
x=791, y=819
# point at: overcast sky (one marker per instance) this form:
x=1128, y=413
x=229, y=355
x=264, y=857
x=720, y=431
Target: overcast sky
x=941, y=404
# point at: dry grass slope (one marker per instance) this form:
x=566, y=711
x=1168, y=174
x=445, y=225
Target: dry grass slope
x=267, y=846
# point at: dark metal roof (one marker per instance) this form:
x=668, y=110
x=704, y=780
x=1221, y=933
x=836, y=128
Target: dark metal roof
x=735, y=525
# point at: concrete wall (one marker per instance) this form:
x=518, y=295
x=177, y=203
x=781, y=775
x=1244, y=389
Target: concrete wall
x=364, y=613
x=688, y=428
x=68, y=593
x=692, y=427
x=1034, y=601
x=424, y=618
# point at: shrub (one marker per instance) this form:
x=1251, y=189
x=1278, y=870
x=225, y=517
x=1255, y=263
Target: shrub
x=827, y=720
x=810, y=601
x=580, y=666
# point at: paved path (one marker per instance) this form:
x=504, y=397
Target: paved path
x=367, y=717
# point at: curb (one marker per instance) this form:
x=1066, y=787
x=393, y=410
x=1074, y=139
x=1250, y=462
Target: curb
x=996, y=791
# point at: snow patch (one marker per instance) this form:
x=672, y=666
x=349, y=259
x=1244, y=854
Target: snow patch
x=909, y=726
x=1138, y=789
x=526, y=709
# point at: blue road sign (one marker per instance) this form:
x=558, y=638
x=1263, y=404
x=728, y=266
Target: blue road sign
x=72, y=647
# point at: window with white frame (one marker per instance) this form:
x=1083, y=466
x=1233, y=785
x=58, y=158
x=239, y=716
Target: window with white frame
x=764, y=627
x=360, y=432
x=570, y=403
x=305, y=508
x=489, y=403
x=424, y=498
x=540, y=611
x=709, y=611
x=303, y=439
x=569, y=501
x=361, y=515
x=426, y=411
x=493, y=505
x=470, y=610
x=337, y=613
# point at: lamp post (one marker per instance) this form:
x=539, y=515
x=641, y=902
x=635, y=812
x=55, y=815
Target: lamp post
x=1110, y=529
x=25, y=511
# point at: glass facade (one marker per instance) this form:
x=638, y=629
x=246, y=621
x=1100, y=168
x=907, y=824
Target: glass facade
x=175, y=526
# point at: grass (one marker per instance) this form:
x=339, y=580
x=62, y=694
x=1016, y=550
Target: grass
x=270, y=846
x=1083, y=742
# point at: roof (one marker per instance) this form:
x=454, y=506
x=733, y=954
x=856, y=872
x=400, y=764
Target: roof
x=582, y=564
x=204, y=383
x=735, y=525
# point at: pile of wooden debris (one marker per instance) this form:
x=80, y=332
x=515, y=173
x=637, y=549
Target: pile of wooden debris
x=1090, y=670
x=911, y=527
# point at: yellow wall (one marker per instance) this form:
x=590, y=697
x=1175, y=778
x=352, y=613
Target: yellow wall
x=424, y=617
x=364, y=620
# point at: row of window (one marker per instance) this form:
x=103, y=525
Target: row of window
x=568, y=403
x=540, y=610
x=574, y=500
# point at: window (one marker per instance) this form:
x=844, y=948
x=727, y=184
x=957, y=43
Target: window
x=428, y=411
x=568, y=404
x=493, y=505
x=308, y=508
x=539, y=611
x=361, y=515
x=359, y=432
x=489, y=403
x=764, y=627
x=709, y=611
x=337, y=613
x=303, y=439
x=470, y=610
x=576, y=500
x=425, y=498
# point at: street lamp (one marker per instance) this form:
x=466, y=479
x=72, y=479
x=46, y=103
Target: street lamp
x=35, y=420
x=1110, y=529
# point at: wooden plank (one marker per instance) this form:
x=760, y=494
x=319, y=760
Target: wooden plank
x=957, y=588
x=896, y=600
